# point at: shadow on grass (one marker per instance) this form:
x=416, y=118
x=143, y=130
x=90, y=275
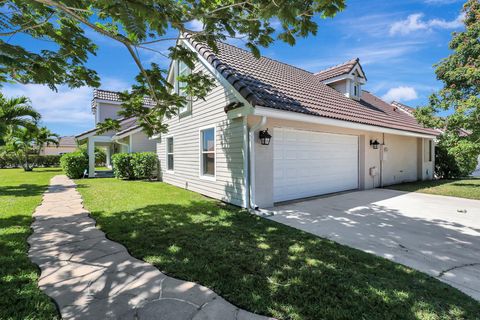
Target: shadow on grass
x=272, y=269
x=22, y=190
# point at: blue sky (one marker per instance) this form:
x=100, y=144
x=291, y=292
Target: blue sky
x=397, y=42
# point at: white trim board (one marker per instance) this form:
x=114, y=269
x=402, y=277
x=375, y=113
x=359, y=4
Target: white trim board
x=295, y=116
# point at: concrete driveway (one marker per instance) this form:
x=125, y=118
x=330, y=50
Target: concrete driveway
x=434, y=234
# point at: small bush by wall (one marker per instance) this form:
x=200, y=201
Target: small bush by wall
x=141, y=165
x=74, y=164
x=122, y=165
x=144, y=165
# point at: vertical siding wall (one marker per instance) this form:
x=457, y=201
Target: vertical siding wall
x=229, y=184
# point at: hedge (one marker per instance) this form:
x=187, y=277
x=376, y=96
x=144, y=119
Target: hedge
x=140, y=165
x=74, y=164
x=11, y=161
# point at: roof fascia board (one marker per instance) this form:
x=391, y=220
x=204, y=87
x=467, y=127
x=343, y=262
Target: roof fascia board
x=338, y=78
x=294, y=116
x=217, y=75
x=240, y=112
x=126, y=134
x=107, y=101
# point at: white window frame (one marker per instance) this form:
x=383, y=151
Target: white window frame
x=168, y=153
x=188, y=108
x=200, y=153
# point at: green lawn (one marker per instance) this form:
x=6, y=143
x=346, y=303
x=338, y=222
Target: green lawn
x=260, y=265
x=20, y=193
x=465, y=188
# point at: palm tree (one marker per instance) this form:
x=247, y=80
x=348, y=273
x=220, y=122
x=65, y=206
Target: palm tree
x=43, y=137
x=16, y=112
x=19, y=141
x=25, y=143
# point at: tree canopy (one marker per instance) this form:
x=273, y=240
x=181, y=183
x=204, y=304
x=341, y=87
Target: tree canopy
x=16, y=112
x=460, y=95
x=138, y=25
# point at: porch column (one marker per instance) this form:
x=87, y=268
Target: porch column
x=107, y=152
x=91, y=157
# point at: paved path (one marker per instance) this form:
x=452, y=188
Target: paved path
x=91, y=277
x=434, y=234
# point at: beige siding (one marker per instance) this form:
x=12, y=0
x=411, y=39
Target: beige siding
x=401, y=162
x=141, y=143
x=229, y=182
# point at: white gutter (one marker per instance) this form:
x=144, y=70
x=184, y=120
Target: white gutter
x=295, y=116
x=246, y=171
x=251, y=154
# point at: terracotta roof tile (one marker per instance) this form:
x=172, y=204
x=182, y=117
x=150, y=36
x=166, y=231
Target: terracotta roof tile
x=404, y=107
x=114, y=96
x=337, y=70
x=269, y=83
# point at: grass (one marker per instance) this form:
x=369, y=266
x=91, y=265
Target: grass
x=465, y=188
x=20, y=193
x=260, y=265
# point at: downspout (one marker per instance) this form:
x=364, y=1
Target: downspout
x=246, y=171
x=251, y=155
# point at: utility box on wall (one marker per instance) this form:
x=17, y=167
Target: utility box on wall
x=384, y=153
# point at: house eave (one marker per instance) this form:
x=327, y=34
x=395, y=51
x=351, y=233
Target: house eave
x=294, y=116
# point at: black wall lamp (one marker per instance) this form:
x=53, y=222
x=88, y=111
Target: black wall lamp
x=265, y=137
x=374, y=143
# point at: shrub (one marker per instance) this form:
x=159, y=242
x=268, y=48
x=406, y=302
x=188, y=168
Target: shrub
x=455, y=160
x=140, y=165
x=100, y=155
x=8, y=161
x=123, y=166
x=74, y=164
x=144, y=165
x=48, y=161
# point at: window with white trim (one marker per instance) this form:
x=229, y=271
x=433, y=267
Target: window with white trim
x=430, y=150
x=207, y=152
x=170, y=158
x=183, y=70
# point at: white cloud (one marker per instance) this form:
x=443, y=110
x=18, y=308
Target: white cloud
x=401, y=93
x=66, y=106
x=195, y=25
x=415, y=22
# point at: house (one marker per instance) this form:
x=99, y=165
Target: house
x=129, y=138
x=327, y=134
x=66, y=144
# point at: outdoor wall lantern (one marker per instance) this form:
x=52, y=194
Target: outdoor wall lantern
x=264, y=137
x=374, y=144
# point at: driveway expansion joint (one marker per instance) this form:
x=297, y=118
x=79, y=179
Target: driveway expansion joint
x=465, y=265
x=92, y=277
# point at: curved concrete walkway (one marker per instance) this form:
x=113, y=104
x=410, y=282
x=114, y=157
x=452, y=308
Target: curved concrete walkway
x=91, y=277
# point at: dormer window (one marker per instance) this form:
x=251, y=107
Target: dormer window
x=183, y=70
x=346, y=78
x=356, y=91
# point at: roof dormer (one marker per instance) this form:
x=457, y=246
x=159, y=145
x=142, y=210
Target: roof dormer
x=346, y=78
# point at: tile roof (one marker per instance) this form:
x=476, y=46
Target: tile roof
x=337, y=70
x=270, y=83
x=67, y=141
x=403, y=107
x=126, y=125
x=114, y=96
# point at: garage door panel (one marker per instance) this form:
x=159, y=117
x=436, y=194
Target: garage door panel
x=313, y=163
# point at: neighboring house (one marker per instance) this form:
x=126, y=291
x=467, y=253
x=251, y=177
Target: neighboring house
x=66, y=144
x=328, y=134
x=129, y=138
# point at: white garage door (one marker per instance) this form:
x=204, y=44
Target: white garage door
x=310, y=163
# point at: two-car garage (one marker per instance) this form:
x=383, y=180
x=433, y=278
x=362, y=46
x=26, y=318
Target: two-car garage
x=308, y=163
